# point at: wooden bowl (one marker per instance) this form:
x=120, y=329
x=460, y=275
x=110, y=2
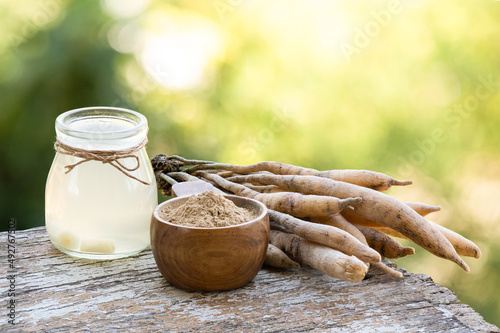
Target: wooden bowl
x=207, y=259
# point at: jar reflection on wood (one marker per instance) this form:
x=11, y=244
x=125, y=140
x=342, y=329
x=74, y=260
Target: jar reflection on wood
x=101, y=189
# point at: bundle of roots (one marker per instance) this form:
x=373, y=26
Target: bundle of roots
x=336, y=221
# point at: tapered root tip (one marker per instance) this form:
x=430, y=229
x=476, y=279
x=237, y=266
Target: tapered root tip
x=462, y=264
x=349, y=201
x=389, y=270
x=401, y=182
x=433, y=209
x=408, y=251
x=285, y=263
x=397, y=274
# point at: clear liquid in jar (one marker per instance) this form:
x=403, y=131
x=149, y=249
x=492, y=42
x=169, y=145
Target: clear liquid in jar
x=97, y=212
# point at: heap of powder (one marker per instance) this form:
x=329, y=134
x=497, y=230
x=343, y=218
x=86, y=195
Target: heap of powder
x=207, y=210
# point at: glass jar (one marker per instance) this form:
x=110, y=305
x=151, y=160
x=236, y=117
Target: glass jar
x=101, y=189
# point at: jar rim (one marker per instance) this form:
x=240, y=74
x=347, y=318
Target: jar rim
x=65, y=120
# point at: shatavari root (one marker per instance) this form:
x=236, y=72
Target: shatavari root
x=336, y=221
x=371, y=179
x=292, y=203
x=323, y=258
x=376, y=206
x=277, y=258
x=327, y=235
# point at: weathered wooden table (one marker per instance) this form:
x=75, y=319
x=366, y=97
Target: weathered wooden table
x=57, y=293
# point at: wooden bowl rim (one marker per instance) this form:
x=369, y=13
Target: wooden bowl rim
x=257, y=219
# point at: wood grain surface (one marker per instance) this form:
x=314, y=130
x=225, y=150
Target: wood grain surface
x=57, y=293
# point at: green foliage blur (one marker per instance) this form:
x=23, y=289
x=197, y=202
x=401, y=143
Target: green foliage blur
x=408, y=88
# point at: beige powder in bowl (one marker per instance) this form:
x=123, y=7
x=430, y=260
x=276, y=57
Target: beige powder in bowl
x=207, y=210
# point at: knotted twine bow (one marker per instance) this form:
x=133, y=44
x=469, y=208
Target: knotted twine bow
x=105, y=156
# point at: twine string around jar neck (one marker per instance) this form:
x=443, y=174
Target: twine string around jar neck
x=111, y=157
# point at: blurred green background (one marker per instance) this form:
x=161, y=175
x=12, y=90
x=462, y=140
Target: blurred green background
x=408, y=88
